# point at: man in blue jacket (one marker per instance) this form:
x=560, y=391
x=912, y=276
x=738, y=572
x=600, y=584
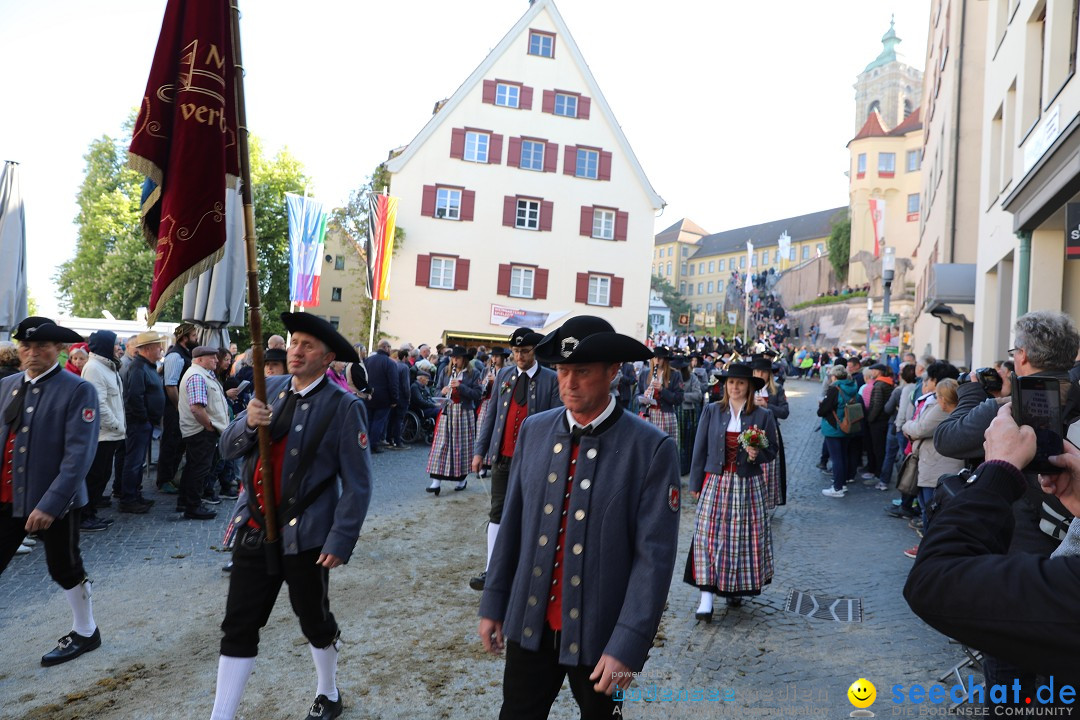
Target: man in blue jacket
x=384, y=388
x=49, y=428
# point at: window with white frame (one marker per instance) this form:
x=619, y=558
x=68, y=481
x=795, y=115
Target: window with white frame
x=792, y=253
x=603, y=225
x=507, y=95
x=710, y=288
x=669, y=267
x=690, y=289
x=476, y=146
x=521, y=282
x=532, y=155
x=682, y=288
x=339, y=262
x=805, y=252
x=442, y=273
x=913, y=204
x=541, y=44
x=599, y=290
x=764, y=257
x=588, y=164
x=886, y=163
x=720, y=264
x=448, y=204
x=860, y=165
x=566, y=105
x=753, y=261
x=777, y=261
x=701, y=268
x=700, y=288
x=691, y=269
x=742, y=261
x=914, y=160
x=528, y=214
x=669, y=252
x=684, y=268
x=719, y=286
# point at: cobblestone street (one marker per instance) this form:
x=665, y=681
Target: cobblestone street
x=409, y=621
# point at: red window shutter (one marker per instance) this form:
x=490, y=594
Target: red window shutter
x=605, y=166
x=569, y=164
x=423, y=270
x=549, y=102
x=513, y=155
x=622, y=224
x=586, y=220
x=616, y=291
x=461, y=276
x=583, y=105
x=457, y=143
x=581, y=293
x=540, y=280
x=504, y=280
x=468, y=204
x=547, y=208
x=427, y=204
x=509, y=211
x=495, y=150
x=489, y=92
x=551, y=157
x=526, y=98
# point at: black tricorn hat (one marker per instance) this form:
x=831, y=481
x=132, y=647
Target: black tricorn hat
x=323, y=330
x=276, y=355
x=742, y=371
x=662, y=352
x=761, y=363
x=500, y=351
x=42, y=329
x=458, y=351
x=587, y=339
x=525, y=337
x=680, y=361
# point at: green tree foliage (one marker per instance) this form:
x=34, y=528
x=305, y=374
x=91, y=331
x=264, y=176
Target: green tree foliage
x=675, y=302
x=840, y=248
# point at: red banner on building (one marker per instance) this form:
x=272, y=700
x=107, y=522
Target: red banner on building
x=877, y=217
x=185, y=142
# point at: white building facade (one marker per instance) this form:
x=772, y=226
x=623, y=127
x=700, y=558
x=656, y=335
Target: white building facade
x=521, y=200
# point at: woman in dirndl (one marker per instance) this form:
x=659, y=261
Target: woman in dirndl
x=496, y=362
x=660, y=392
x=772, y=397
x=689, y=411
x=731, y=552
x=455, y=428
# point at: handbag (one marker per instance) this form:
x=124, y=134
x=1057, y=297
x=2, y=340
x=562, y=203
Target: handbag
x=907, y=480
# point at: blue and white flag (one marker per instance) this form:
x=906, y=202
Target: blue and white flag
x=307, y=233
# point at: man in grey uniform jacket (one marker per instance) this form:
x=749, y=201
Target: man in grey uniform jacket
x=48, y=431
x=521, y=390
x=322, y=476
x=583, y=562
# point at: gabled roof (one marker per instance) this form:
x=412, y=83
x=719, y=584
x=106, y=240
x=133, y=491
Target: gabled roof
x=873, y=127
x=675, y=232
x=911, y=123
x=801, y=227
x=477, y=76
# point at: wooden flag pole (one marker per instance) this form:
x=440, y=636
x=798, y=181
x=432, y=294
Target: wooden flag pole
x=266, y=478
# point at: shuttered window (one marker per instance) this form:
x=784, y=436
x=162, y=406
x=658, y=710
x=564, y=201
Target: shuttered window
x=442, y=273
x=521, y=282
x=476, y=147
x=604, y=223
x=588, y=163
x=448, y=203
x=527, y=213
x=532, y=155
x=603, y=289
x=566, y=105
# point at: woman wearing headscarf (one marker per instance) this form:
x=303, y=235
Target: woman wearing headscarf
x=455, y=430
x=660, y=392
x=772, y=396
x=731, y=552
x=78, y=354
x=689, y=411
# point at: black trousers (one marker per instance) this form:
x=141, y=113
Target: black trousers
x=61, y=542
x=172, y=445
x=201, y=451
x=100, y=470
x=878, y=437
x=532, y=680
x=500, y=478
x=252, y=594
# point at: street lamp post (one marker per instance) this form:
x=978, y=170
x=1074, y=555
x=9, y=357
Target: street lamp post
x=888, y=272
x=869, y=320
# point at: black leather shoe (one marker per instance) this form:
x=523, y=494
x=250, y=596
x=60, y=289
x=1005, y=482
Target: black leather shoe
x=323, y=708
x=437, y=489
x=478, y=582
x=898, y=511
x=705, y=617
x=200, y=513
x=461, y=485
x=135, y=507
x=70, y=647
x=145, y=500
x=734, y=602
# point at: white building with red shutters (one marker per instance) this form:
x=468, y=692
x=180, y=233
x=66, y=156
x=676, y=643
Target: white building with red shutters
x=521, y=200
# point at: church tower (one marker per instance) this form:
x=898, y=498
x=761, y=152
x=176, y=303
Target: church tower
x=888, y=85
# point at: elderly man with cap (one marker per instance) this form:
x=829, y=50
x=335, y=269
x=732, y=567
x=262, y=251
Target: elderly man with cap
x=102, y=370
x=521, y=389
x=177, y=362
x=580, y=573
x=144, y=408
x=322, y=479
x=49, y=430
x=204, y=415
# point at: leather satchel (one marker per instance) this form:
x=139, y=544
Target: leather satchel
x=907, y=480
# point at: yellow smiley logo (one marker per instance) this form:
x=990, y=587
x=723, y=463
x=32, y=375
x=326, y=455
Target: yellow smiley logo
x=862, y=693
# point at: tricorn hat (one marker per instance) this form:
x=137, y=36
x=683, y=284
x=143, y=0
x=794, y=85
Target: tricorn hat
x=525, y=337
x=276, y=355
x=317, y=327
x=678, y=362
x=761, y=363
x=742, y=371
x=586, y=339
x=662, y=352
x=42, y=329
x=458, y=351
x=500, y=351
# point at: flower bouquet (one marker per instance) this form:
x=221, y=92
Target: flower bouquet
x=753, y=437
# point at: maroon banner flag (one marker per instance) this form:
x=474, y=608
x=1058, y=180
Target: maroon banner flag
x=185, y=142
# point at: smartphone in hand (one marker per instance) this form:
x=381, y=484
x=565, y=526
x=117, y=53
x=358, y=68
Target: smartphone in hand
x=1036, y=402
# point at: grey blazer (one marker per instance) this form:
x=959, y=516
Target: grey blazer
x=543, y=395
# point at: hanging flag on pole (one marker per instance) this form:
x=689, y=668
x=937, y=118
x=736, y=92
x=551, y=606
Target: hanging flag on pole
x=749, y=264
x=12, y=249
x=184, y=141
x=877, y=217
x=307, y=238
x=382, y=220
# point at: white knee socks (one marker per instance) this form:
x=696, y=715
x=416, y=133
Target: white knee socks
x=493, y=532
x=82, y=610
x=326, y=668
x=232, y=677
x=706, y=602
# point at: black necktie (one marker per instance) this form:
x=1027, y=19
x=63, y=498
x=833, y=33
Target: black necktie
x=521, y=389
x=279, y=428
x=577, y=432
x=13, y=412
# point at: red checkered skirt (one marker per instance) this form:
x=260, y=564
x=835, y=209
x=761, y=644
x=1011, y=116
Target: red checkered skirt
x=772, y=483
x=732, y=552
x=451, y=451
x=666, y=421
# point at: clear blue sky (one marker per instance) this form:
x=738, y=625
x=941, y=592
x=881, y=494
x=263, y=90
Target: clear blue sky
x=739, y=112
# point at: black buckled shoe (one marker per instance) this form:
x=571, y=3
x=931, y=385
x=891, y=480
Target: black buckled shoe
x=478, y=582
x=324, y=708
x=70, y=647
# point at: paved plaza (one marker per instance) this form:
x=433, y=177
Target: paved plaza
x=409, y=620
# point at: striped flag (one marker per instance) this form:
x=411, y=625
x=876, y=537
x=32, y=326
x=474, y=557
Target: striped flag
x=307, y=236
x=382, y=219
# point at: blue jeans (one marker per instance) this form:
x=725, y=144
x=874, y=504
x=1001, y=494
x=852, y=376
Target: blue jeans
x=838, y=452
x=892, y=447
x=925, y=496
x=138, y=441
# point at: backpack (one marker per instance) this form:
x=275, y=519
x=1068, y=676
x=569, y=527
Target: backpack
x=851, y=413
